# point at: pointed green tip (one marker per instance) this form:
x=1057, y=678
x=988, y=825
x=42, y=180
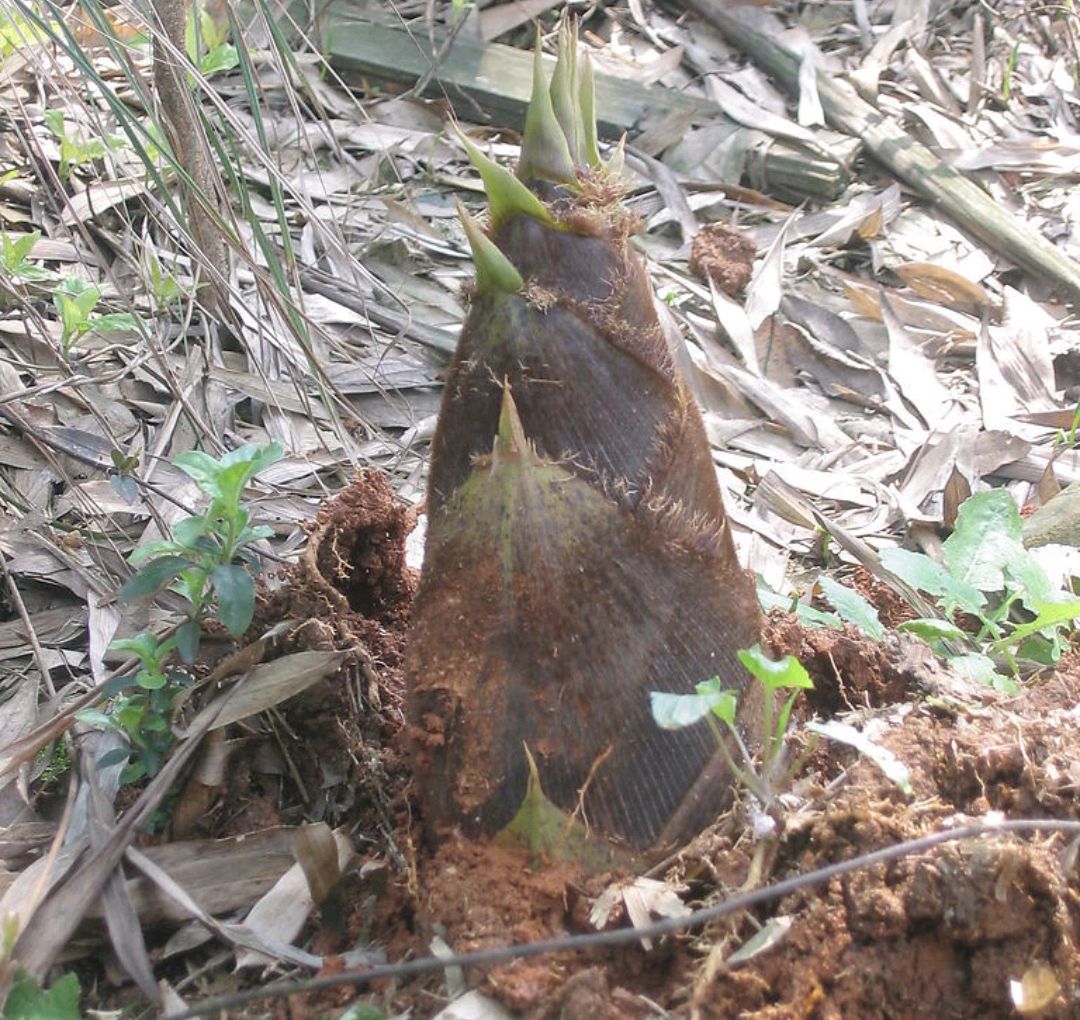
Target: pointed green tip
x=617, y=160
x=494, y=271
x=507, y=196
x=545, y=153
x=510, y=440
x=587, y=101
x=564, y=91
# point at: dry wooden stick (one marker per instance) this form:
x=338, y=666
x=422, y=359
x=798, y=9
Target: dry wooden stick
x=967, y=203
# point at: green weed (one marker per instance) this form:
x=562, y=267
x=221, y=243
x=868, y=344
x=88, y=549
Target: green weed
x=75, y=301
x=209, y=562
x=765, y=776
x=986, y=580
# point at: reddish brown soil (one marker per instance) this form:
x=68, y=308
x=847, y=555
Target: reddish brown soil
x=940, y=934
x=722, y=254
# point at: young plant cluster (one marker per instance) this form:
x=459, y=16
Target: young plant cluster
x=768, y=773
x=209, y=562
x=999, y=610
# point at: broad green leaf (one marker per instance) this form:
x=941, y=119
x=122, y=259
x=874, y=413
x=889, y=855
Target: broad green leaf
x=933, y=630
x=1025, y=576
x=256, y=455
x=187, y=531
x=775, y=674
x=851, y=606
x=153, y=577
x=116, y=322
x=1046, y=651
x=236, y=597
x=231, y=481
x=981, y=669
x=1048, y=614
x=220, y=58
x=116, y=756
x=17, y=252
x=362, y=1011
x=94, y=717
x=723, y=701
x=202, y=468
x=187, y=641
x=987, y=535
x=150, y=679
x=133, y=773
x=770, y=600
x=151, y=550
x=929, y=576
x=28, y=1001
x=144, y=644
x=677, y=711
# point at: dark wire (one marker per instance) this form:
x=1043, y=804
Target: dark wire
x=621, y=936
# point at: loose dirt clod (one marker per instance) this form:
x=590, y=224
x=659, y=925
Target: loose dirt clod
x=721, y=254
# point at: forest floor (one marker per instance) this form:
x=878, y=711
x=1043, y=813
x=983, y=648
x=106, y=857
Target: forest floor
x=863, y=366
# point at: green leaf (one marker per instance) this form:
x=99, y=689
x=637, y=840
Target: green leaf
x=981, y=669
x=187, y=532
x=144, y=644
x=28, y=1001
x=723, y=701
x=770, y=600
x=202, y=468
x=1025, y=576
x=150, y=679
x=220, y=58
x=236, y=597
x=257, y=456
x=362, y=1011
x=133, y=773
x=231, y=481
x=116, y=322
x=775, y=674
x=94, y=717
x=931, y=630
x=255, y=533
x=153, y=577
x=677, y=711
x=987, y=535
x=852, y=607
x=17, y=252
x=187, y=640
x=929, y=576
x=1048, y=614
x=151, y=550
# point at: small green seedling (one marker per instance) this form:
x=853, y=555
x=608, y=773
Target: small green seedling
x=142, y=710
x=987, y=576
x=15, y=257
x=164, y=288
x=718, y=704
x=75, y=301
x=75, y=149
x=207, y=43
x=16, y=32
x=209, y=562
